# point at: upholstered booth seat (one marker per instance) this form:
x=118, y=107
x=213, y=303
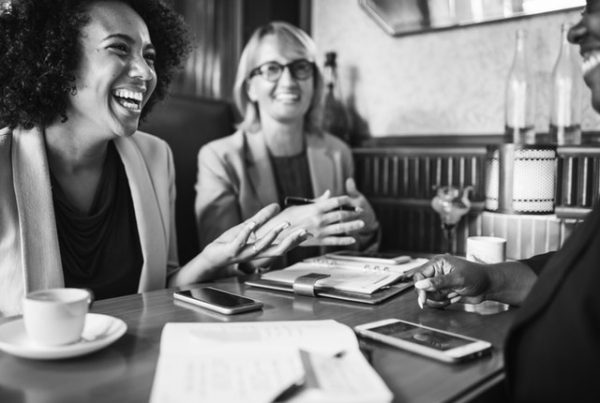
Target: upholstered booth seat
x=187, y=123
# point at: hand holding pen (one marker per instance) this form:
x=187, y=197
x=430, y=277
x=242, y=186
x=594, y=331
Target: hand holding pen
x=325, y=219
x=447, y=279
x=300, y=201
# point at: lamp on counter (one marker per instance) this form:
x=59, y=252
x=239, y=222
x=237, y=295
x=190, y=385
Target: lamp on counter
x=519, y=198
x=521, y=179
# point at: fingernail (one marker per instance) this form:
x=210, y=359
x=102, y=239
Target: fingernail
x=423, y=284
x=251, y=225
x=421, y=300
x=358, y=209
x=455, y=299
x=284, y=225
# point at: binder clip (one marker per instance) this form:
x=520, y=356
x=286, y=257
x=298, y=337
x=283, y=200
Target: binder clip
x=305, y=285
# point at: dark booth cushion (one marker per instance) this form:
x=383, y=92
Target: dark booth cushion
x=187, y=123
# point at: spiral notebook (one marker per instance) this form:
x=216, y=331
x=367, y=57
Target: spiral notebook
x=340, y=279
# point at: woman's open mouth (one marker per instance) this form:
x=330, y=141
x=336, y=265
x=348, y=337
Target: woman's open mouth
x=131, y=100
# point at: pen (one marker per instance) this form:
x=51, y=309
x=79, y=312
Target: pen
x=298, y=201
x=290, y=390
x=295, y=387
x=419, y=285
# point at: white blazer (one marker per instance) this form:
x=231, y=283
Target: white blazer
x=29, y=249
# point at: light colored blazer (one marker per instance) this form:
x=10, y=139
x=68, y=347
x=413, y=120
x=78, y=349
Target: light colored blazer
x=29, y=249
x=236, y=179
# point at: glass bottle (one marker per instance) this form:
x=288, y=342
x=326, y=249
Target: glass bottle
x=565, y=110
x=519, y=99
x=335, y=118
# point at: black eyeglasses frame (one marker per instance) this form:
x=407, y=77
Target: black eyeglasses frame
x=258, y=71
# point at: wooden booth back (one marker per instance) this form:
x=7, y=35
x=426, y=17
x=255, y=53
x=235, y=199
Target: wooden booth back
x=187, y=123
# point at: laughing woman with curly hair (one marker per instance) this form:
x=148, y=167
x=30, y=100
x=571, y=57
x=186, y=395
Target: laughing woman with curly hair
x=85, y=199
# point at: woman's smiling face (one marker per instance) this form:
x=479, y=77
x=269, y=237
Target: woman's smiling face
x=287, y=99
x=116, y=75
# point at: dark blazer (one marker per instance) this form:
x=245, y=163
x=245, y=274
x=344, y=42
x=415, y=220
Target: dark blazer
x=552, y=352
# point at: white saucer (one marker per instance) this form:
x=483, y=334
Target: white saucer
x=99, y=332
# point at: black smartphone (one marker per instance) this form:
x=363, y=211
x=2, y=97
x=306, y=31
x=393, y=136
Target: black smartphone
x=434, y=343
x=217, y=300
x=298, y=201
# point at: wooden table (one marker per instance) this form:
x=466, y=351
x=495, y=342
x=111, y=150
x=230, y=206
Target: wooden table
x=124, y=371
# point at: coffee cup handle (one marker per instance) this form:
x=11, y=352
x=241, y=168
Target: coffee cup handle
x=91, y=298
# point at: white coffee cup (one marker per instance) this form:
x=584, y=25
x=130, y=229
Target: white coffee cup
x=56, y=317
x=486, y=249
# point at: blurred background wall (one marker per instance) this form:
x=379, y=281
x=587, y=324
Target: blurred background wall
x=444, y=82
x=435, y=83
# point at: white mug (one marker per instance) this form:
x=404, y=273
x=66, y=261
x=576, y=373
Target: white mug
x=486, y=249
x=56, y=317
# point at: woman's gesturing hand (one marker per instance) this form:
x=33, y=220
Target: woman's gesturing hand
x=241, y=243
x=366, y=212
x=447, y=279
x=325, y=220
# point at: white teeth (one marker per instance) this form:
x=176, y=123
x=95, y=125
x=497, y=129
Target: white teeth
x=287, y=97
x=122, y=93
x=131, y=100
x=590, y=61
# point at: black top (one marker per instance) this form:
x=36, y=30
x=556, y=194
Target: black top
x=292, y=177
x=537, y=262
x=553, y=349
x=100, y=250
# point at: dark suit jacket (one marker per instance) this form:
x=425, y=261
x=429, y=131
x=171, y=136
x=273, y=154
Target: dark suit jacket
x=553, y=349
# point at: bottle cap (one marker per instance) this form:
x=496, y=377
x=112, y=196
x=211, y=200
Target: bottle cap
x=330, y=58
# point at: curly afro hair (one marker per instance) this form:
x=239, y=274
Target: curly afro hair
x=40, y=50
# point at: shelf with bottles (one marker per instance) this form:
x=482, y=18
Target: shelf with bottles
x=335, y=115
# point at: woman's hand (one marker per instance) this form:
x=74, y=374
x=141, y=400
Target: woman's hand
x=367, y=215
x=240, y=243
x=447, y=279
x=324, y=220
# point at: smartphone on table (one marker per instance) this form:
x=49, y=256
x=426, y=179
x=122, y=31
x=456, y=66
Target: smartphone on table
x=217, y=300
x=434, y=343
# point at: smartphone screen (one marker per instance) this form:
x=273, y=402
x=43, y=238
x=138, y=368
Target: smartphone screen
x=433, y=343
x=218, y=300
x=420, y=335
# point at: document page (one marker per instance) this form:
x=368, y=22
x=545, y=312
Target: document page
x=219, y=376
x=255, y=361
